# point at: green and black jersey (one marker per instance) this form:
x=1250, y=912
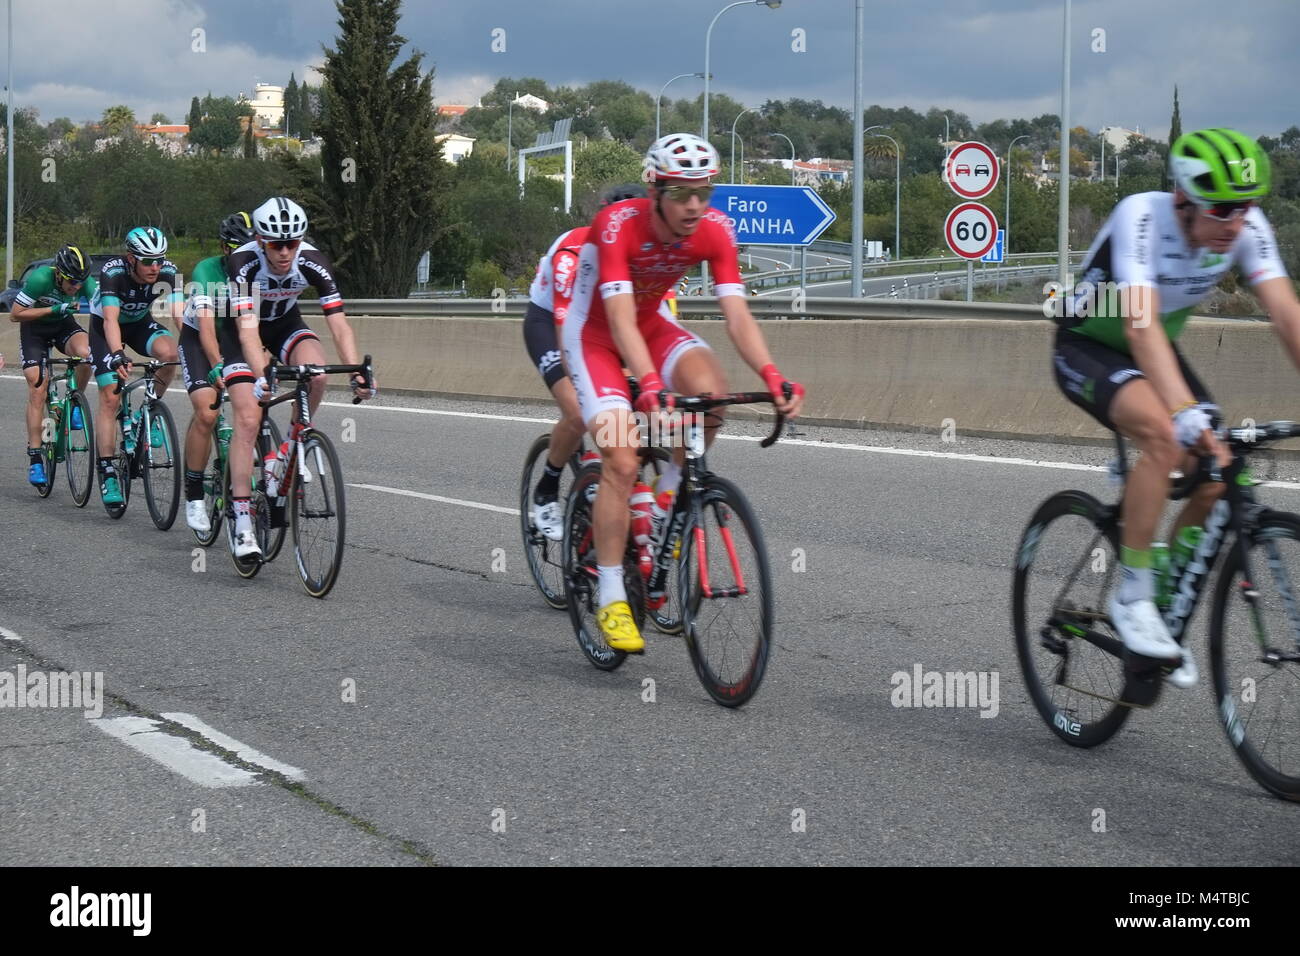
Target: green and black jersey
x=41, y=290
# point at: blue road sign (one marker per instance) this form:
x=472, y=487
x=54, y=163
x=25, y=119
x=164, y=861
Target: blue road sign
x=997, y=253
x=773, y=215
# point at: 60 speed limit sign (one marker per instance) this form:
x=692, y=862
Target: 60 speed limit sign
x=971, y=230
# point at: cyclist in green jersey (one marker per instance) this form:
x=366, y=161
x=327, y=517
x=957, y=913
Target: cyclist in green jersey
x=207, y=311
x=1155, y=259
x=46, y=307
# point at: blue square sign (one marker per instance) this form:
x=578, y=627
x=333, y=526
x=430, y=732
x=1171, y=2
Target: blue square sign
x=996, y=254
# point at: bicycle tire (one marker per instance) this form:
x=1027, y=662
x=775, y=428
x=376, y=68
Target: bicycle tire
x=1241, y=699
x=1063, y=716
x=276, y=533
x=727, y=504
x=214, y=495
x=160, y=467
x=260, y=514
x=579, y=574
x=318, y=456
x=123, y=466
x=545, y=557
x=84, y=446
x=49, y=452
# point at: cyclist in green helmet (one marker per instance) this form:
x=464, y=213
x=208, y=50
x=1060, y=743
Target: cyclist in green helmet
x=1154, y=260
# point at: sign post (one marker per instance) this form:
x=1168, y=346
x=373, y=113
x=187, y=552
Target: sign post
x=971, y=171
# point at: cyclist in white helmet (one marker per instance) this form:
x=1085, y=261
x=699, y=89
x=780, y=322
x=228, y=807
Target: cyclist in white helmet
x=635, y=252
x=269, y=275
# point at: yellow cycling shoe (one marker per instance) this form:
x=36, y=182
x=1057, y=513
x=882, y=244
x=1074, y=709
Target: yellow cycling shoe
x=619, y=628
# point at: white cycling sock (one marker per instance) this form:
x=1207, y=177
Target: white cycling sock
x=1135, y=584
x=669, y=479
x=611, y=584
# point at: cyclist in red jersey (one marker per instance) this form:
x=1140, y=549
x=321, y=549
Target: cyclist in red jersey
x=635, y=252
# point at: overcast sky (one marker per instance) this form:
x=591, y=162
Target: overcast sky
x=1234, y=62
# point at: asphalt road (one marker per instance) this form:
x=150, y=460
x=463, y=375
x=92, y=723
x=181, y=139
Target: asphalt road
x=478, y=734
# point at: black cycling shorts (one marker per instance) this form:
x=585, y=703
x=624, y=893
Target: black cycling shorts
x=138, y=335
x=194, y=361
x=1090, y=374
x=35, y=339
x=542, y=344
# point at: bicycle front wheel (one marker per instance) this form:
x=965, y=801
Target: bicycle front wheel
x=1255, y=655
x=545, y=557
x=725, y=586
x=49, y=451
x=79, y=451
x=162, y=474
x=317, y=512
x=1070, y=654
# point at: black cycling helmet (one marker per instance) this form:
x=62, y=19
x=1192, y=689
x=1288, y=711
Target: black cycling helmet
x=72, y=264
x=626, y=191
x=236, y=229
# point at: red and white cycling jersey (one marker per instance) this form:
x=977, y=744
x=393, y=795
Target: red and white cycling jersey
x=540, y=292
x=622, y=255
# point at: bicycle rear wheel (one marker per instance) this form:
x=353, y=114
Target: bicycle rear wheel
x=1066, y=565
x=49, y=451
x=124, y=465
x=162, y=476
x=317, y=510
x=725, y=584
x=1253, y=656
x=279, y=523
x=79, y=451
x=260, y=514
x=545, y=557
x=580, y=586
x=214, y=496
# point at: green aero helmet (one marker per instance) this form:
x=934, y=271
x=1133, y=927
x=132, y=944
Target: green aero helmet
x=1219, y=165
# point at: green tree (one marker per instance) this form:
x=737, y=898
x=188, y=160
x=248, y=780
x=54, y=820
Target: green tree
x=159, y=119
x=482, y=278
x=219, y=129
x=291, y=107
x=386, y=181
x=250, y=144
x=195, y=114
x=626, y=116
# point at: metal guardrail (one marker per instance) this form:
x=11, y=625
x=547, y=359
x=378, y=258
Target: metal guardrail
x=812, y=307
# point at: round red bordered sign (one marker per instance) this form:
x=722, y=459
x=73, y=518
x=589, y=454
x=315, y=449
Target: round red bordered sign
x=971, y=170
x=971, y=230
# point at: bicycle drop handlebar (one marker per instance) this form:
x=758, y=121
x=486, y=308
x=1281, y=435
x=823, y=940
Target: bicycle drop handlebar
x=306, y=372
x=702, y=403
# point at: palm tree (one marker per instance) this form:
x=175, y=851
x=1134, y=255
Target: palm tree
x=119, y=121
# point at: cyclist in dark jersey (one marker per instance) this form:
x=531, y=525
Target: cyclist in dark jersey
x=1156, y=257
x=207, y=316
x=120, y=315
x=46, y=307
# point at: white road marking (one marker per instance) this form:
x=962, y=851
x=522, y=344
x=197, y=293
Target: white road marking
x=9, y=635
x=450, y=501
x=241, y=750
x=175, y=753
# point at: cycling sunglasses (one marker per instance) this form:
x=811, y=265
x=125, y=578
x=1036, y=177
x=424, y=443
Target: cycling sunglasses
x=151, y=261
x=1227, y=211
x=64, y=277
x=682, y=193
x=290, y=244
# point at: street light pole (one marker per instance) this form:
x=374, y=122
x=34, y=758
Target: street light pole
x=661, y=93
x=9, y=150
x=898, y=252
x=1006, y=251
x=751, y=109
x=858, y=157
x=1063, y=210
x=708, y=37
x=791, y=142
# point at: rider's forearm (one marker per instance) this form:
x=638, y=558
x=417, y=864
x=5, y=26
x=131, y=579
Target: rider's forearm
x=30, y=313
x=112, y=330
x=745, y=333
x=627, y=337
x=345, y=341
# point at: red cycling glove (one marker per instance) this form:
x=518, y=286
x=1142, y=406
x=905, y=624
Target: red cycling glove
x=776, y=381
x=649, y=401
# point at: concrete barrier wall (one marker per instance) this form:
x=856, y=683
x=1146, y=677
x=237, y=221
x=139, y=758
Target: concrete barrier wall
x=991, y=377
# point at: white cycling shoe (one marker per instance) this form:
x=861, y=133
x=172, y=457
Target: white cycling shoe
x=1186, y=674
x=246, y=545
x=549, y=519
x=196, y=516
x=1143, y=631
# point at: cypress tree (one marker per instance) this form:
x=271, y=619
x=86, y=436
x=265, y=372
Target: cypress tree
x=291, y=107
x=384, y=189
x=196, y=115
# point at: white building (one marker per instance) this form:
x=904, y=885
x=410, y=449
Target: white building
x=454, y=146
x=1117, y=137
x=268, y=105
x=533, y=102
